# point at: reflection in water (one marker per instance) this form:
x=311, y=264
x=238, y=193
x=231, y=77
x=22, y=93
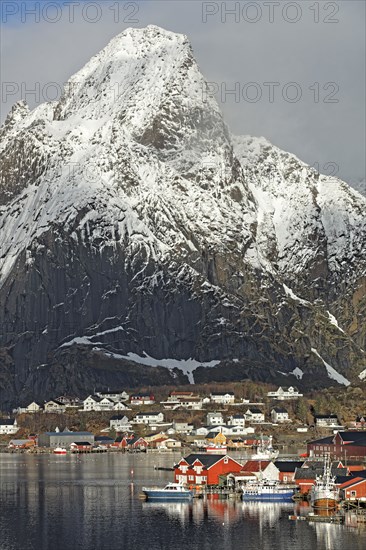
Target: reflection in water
x=91, y=503
x=327, y=535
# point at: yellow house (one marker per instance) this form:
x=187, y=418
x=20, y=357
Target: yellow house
x=219, y=439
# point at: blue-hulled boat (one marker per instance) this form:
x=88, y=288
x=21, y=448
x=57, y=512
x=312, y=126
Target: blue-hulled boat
x=267, y=491
x=171, y=492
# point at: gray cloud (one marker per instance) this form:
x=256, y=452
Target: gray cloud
x=232, y=55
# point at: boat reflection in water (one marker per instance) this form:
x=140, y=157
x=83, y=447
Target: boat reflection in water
x=327, y=535
x=266, y=513
x=213, y=508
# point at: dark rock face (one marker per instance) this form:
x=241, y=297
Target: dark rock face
x=180, y=243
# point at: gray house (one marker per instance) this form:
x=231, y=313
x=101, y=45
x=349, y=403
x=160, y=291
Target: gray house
x=64, y=439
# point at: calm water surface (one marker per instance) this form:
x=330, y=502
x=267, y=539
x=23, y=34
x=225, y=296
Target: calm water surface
x=91, y=503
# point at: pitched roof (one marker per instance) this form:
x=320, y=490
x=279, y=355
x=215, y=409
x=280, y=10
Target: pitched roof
x=323, y=416
x=255, y=465
x=83, y=443
x=288, y=465
x=148, y=414
x=353, y=481
x=68, y=434
x=222, y=393
x=323, y=441
x=279, y=410
x=311, y=473
x=356, y=438
x=207, y=460
x=7, y=422
x=255, y=410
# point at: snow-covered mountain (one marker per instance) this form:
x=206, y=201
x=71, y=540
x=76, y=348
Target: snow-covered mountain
x=136, y=232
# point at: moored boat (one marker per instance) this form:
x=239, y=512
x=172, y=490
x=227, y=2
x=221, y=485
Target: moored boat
x=265, y=451
x=267, y=490
x=171, y=492
x=216, y=449
x=60, y=451
x=324, y=494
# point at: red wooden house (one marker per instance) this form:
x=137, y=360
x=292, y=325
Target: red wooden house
x=287, y=469
x=81, y=447
x=204, y=469
x=344, y=445
x=130, y=441
x=354, y=489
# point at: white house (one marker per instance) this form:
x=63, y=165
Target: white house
x=120, y=423
x=148, y=418
x=8, y=426
x=237, y=420
x=282, y=393
x=254, y=415
x=222, y=398
x=202, y=430
x=95, y=403
x=231, y=430
x=119, y=406
x=326, y=420
x=54, y=406
x=279, y=415
x=113, y=395
x=182, y=427
x=214, y=419
x=142, y=399
x=31, y=408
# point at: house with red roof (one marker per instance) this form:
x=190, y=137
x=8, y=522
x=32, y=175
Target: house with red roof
x=260, y=469
x=204, y=469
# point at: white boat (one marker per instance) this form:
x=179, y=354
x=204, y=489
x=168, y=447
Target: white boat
x=324, y=494
x=60, y=451
x=171, y=492
x=265, y=451
x=216, y=449
x=266, y=490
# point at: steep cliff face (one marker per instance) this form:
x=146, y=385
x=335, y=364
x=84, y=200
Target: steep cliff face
x=140, y=241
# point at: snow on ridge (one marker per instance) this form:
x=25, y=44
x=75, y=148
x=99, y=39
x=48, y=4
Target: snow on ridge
x=362, y=375
x=332, y=373
x=334, y=321
x=292, y=295
x=298, y=373
x=187, y=366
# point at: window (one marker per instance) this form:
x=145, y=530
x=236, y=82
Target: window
x=191, y=478
x=226, y=460
x=353, y=493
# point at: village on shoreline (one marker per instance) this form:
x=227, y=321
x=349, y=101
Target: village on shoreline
x=237, y=416
x=277, y=433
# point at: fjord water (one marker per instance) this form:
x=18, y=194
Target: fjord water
x=92, y=503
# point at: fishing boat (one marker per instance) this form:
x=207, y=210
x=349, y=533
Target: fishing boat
x=265, y=451
x=324, y=494
x=216, y=449
x=171, y=492
x=60, y=451
x=267, y=490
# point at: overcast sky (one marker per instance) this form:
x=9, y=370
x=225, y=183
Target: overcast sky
x=313, y=51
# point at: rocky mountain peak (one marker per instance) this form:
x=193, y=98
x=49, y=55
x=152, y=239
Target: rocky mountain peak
x=136, y=232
